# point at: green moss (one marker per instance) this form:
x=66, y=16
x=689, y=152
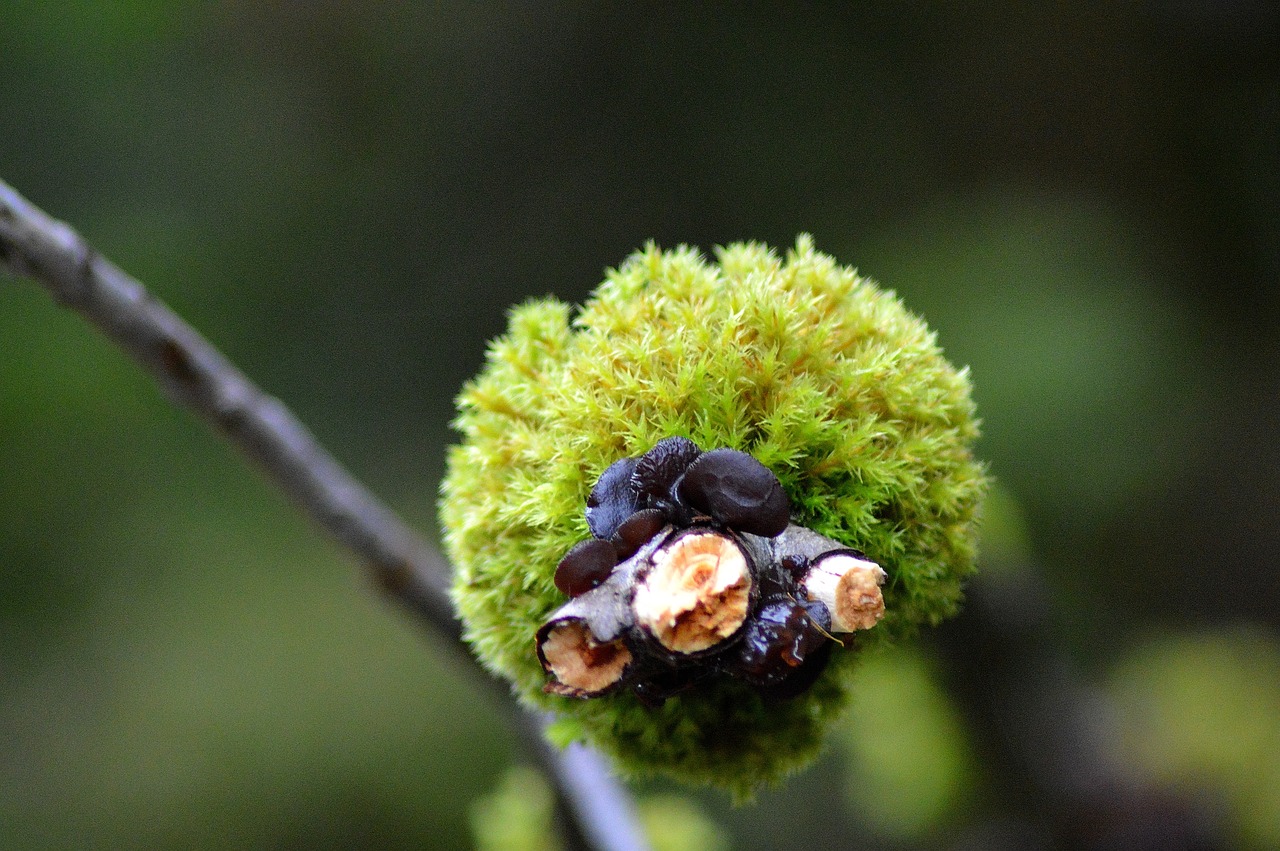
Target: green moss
x=821, y=375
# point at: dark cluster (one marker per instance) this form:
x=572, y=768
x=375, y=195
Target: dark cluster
x=784, y=643
x=673, y=484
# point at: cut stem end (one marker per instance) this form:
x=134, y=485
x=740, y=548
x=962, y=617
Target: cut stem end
x=580, y=665
x=849, y=587
x=697, y=594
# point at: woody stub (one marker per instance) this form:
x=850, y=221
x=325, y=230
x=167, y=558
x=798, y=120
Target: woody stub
x=694, y=570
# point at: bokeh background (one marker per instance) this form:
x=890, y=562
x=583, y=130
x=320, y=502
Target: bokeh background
x=1083, y=200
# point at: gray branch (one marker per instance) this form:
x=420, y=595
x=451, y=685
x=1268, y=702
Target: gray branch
x=196, y=375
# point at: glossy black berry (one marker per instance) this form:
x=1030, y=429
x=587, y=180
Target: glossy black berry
x=612, y=500
x=585, y=566
x=737, y=490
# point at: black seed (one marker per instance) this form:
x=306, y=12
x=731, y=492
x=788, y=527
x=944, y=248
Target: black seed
x=585, y=566
x=658, y=470
x=612, y=500
x=637, y=530
x=737, y=490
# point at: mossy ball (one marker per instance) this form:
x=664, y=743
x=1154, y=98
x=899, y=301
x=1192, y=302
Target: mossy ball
x=819, y=374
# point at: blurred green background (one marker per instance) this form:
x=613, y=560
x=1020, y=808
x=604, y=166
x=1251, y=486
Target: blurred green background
x=1083, y=200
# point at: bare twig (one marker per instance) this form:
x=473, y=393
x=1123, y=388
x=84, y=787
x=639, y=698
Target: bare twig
x=198, y=376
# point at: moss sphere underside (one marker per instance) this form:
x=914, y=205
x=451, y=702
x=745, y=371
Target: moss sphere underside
x=820, y=375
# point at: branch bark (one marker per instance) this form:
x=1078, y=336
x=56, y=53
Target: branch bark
x=198, y=376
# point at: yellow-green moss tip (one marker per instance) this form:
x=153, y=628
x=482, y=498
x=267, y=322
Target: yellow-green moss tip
x=822, y=376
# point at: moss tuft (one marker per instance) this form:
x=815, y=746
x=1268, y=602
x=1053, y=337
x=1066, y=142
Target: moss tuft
x=823, y=377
